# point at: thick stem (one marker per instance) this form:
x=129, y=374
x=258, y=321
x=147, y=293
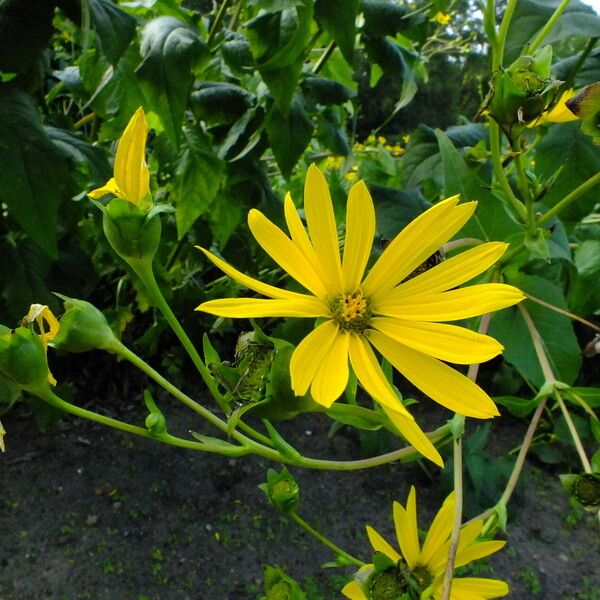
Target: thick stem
x=550, y=23
x=498, y=53
x=585, y=463
x=538, y=345
x=593, y=181
x=336, y=549
x=217, y=22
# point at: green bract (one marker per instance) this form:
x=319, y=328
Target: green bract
x=281, y=490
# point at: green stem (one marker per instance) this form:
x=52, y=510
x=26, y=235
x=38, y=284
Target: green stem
x=516, y=205
x=144, y=271
x=498, y=53
x=582, y=57
x=593, y=181
x=458, y=504
x=324, y=57
x=587, y=467
x=550, y=23
x=336, y=549
x=525, y=190
x=538, y=345
x=217, y=22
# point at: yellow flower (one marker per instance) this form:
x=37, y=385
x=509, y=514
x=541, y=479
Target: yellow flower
x=383, y=311
x=419, y=571
x=131, y=179
x=44, y=317
x=2, y=434
x=442, y=18
x=559, y=113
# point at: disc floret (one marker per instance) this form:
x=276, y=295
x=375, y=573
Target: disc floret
x=351, y=312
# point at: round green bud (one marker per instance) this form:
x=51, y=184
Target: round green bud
x=586, y=490
x=282, y=490
x=82, y=328
x=132, y=232
x=156, y=423
x=23, y=358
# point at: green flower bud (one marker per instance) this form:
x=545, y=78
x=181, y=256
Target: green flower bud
x=522, y=92
x=586, y=490
x=133, y=233
x=282, y=490
x=23, y=358
x=279, y=586
x=586, y=106
x=83, y=327
x=155, y=421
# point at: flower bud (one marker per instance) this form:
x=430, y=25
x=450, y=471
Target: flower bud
x=280, y=586
x=282, y=490
x=155, y=421
x=522, y=92
x=586, y=106
x=83, y=327
x=23, y=358
x=586, y=490
x=133, y=232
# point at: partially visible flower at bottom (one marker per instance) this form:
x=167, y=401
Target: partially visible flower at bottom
x=418, y=571
x=44, y=317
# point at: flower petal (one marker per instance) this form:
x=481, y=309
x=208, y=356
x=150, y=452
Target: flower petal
x=321, y=224
x=405, y=521
x=480, y=587
x=248, y=308
x=360, y=229
x=332, y=375
x=374, y=382
x=449, y=306
x=380, y=545
x=249, y=282
x=409, y=429
x=353, y=591
x=440, y=530
x=110, y=187
x=477, y=550
x=415, y=243
x=436, y=379
x=309, y=355
x=446, y=342
x=454, y=271
x=300, y=238
x=131, y=172
x=468, y=535
x=284, y=252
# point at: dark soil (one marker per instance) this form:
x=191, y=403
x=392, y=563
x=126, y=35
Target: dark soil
x=88, y=512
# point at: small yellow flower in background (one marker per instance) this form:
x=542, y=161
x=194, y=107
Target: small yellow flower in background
x=2, y=434
x=420, y=569
x=559, y=113
x=334, y=163
x=43, y=316
x=131, y=179
x=406, y=138
x=351, y=175
x=442, y=18
x=383, y=311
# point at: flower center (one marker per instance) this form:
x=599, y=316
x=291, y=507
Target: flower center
x=351, y=312
x=388, y=585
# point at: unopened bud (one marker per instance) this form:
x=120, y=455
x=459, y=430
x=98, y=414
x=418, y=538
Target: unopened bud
x=282, y=490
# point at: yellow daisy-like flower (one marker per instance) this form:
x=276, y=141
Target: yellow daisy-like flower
x=441, y=18
x=131, y=179
x=418, y=571
x=384, y=311
x=43, y=316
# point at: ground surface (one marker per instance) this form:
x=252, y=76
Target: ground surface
x=90, y=513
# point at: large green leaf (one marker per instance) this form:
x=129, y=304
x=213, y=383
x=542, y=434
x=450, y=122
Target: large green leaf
x=289, y=134
x=556, y=333
x=199, y=176
x=34, y=170
x=114, y=27
x=395, y=209
x=565, y=147
x=218, y=103
x=490, y=221
x=170, y=52
x=531, y=15
x=338, y=19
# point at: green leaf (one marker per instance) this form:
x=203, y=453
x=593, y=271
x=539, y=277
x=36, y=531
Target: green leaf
x=530, y=16
x=25, y=30
x=170, y=52
x=199, y=176
x=331, y=132
x=567, y=148
x=338, y=19
x=282, y=83
x=556, y=331
x=114, y=27
x=384, y=18
x=326, y=91
x=519, y=407
x=34, y=170
x=395, y=209
x=289, y=134
x=491, y=221
x=218, y=103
